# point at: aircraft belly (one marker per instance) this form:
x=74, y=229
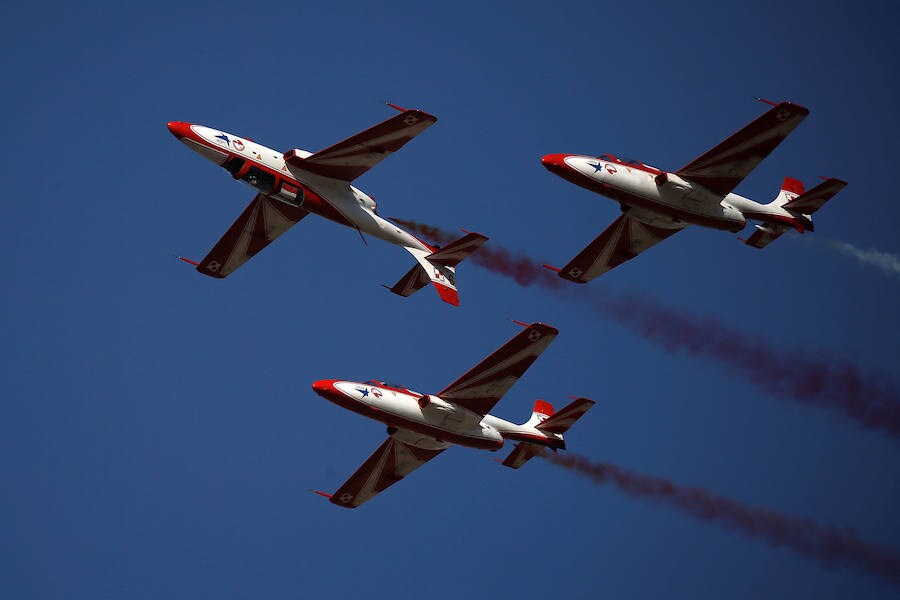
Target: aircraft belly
x=678, y=205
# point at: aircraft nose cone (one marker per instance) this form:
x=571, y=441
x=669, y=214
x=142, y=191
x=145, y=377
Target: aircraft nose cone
x=179, y=129
x=553, y=161
x=324, y=387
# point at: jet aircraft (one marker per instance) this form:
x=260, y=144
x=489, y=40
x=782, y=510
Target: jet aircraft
x=658, y=204
x=421, y=426
x=293, y=184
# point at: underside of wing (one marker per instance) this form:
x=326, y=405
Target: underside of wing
x=391, y=462
x=624, y=239
x=260, y=224
x=485, y=383
x=354, y=156
x=725, y=166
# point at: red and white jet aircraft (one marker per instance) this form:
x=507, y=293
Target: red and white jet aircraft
x=293, y=184
x=421, y=426
x=657, y=204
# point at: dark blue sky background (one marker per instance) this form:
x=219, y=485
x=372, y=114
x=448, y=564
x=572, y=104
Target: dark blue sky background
x=159, y=435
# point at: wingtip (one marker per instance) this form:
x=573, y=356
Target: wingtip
x=187, y=260
x=769, y=102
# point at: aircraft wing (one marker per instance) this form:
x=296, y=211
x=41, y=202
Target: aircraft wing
x=725, y=166
x=260, y=224
x=624, y=239
x=357, y=154
x=393, y=461
x=485, y=383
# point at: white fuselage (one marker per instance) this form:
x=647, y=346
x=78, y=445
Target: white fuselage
x=333, y=199
x=428, y=421
x=665, y=196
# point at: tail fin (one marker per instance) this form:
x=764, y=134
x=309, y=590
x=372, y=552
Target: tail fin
x=439, y=267
x=542, y=411
x=551, y=425
x=790, y=189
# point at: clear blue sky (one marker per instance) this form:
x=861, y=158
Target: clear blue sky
x=159, y=435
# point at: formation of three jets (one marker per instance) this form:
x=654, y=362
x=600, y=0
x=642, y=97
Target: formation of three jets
x=655, y=205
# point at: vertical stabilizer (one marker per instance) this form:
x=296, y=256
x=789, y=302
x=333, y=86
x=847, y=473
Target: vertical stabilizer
x=790, y=189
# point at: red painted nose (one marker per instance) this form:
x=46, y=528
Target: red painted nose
x=324, y=387
x=553, y=161
x=179, y=129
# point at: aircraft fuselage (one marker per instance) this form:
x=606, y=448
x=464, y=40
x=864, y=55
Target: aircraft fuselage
x=428, y=421
x=657, y=195
x=267, y=172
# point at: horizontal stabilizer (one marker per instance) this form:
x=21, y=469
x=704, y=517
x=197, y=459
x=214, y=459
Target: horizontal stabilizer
x=521, y=454
x=562, y=420
x=455, y=252
x=414, y=280
x=809, y=202
x=765, y=235
x=438, y=267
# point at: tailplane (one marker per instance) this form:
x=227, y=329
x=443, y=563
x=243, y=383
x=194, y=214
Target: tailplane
x=799, y=203
x=439, y=268
x=809, y=202
x=549, y=425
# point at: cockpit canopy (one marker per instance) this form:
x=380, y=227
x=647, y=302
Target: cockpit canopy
x=628, y=162
x=392, y=386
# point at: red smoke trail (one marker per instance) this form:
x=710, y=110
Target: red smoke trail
x=833, y=547
x=871, y=401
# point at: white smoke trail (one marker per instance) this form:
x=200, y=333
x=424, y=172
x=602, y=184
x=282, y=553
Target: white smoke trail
x=887, y=262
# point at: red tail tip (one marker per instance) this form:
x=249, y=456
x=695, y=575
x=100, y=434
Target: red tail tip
x=545, y=408
x=792, y=185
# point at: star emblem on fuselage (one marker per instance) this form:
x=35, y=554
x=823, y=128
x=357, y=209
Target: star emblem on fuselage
x=597, y=167
x=363, y=391
x=224, y=138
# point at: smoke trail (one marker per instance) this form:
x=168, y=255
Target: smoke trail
x=832, y=547
x=871, y=401
x=887, y=262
